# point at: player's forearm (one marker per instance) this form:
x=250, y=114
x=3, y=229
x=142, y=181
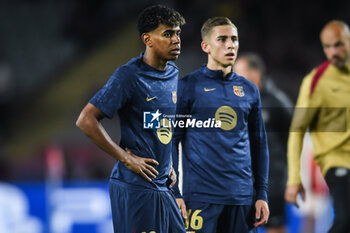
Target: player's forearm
x=261, y=176
x=260, y=163
x=260, y=158
x=295, y=145
x=92, y=128
x=175, y=164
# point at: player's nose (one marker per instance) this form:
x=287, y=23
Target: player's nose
x=176, y=39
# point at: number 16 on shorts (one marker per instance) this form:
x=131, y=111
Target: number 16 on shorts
x=194, y=221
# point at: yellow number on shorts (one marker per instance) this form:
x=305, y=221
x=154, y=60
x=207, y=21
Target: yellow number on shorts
x=149, y=232
x=187, y=222
x=196, y=220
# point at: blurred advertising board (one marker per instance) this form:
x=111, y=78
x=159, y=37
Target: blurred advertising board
x=39, y=207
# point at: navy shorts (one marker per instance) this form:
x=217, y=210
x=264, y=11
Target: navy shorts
x=136, y=210
x=210, y=218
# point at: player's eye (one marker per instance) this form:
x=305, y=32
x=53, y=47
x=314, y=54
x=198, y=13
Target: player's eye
x=338, y=44
x=167, y=34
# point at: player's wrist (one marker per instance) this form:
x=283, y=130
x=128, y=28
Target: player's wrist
x=292, y=183
x=178, y=195
x=125, y=157
x=261, y=195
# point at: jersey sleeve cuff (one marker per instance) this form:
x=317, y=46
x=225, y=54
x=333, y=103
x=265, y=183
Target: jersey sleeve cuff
x=101, y=108
x=176, y=192
x=261, y=195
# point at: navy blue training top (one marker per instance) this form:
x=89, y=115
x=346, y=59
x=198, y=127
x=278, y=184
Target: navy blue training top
x=221, y=165
x=136, y=89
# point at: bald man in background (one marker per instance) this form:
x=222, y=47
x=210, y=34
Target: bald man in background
x=277, y=113
x=323, y=108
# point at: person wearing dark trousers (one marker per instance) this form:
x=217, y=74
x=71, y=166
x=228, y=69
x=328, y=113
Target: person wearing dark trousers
x=277, y=114
x=323, y=109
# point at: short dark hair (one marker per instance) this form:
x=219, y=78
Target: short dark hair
x=213, y=22
x=151, y=17
x=255, y=62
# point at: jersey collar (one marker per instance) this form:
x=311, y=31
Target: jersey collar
x=150, y=71
x=217, y=74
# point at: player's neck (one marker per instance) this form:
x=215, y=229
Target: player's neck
x=215, y=66
x=152, y=60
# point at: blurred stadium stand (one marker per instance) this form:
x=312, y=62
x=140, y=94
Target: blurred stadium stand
x=58, y=54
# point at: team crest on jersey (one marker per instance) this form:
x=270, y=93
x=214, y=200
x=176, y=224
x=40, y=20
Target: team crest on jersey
x=174, y=96
x=238, y=90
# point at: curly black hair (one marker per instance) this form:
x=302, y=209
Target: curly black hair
x=151, y=17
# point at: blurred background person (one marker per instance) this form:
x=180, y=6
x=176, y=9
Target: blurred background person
x=276, y=112
x=323, y=109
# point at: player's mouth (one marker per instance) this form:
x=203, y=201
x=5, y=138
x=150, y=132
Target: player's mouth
x=230, y=55
x=335, y=60
x=175, y=51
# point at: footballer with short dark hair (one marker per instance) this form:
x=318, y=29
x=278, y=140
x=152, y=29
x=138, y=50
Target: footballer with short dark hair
x=140, y=195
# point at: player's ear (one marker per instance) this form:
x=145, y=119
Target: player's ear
x=146, y=38
x=205, y=46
